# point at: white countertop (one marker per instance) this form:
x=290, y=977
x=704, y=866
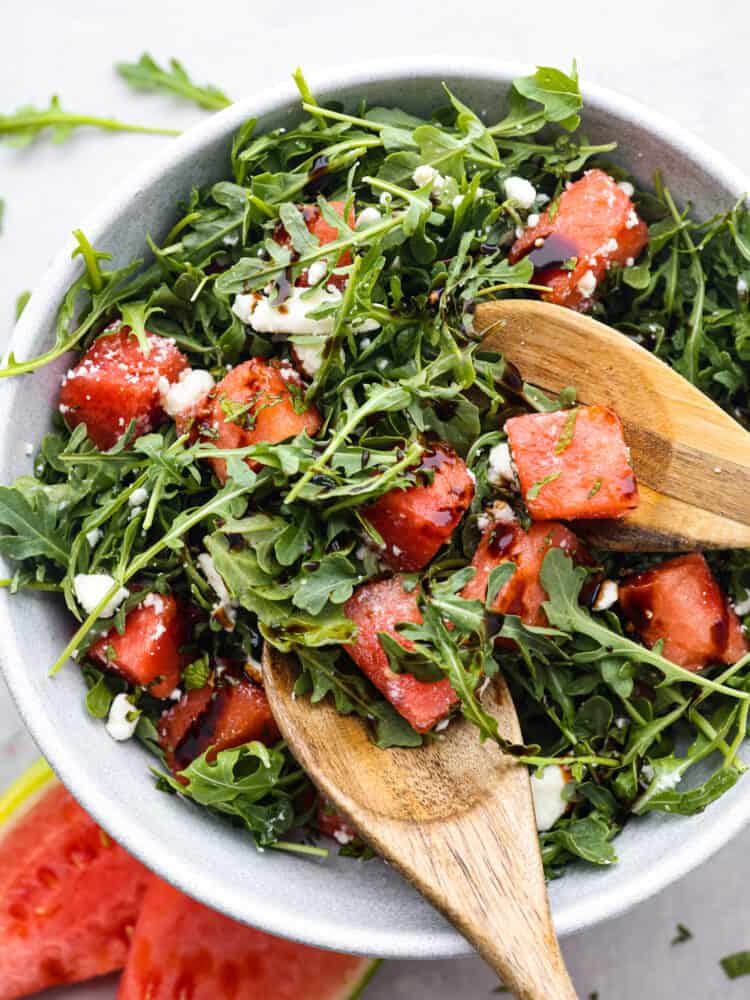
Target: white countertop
x=686, y=59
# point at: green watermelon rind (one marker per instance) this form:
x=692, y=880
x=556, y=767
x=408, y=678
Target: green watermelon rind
x=356, y=989
x=23, y=793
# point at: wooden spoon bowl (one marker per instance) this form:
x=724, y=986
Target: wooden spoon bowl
x=454, y=816
x=691, y=459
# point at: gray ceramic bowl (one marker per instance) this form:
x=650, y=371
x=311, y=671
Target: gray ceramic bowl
x=340, y=904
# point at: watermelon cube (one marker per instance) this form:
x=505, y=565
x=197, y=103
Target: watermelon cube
x=378, y=607
x=148, y=651
x=681, y=603
x=504, y=540
x=415, y=522
x=573, y=463
x=115, y=382
x=593, y=225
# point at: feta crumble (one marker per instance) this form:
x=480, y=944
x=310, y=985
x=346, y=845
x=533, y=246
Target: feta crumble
x=607, y=595
x=28, y=449
x=743, y=607
x=257, y=311
x=123, y=717
x=367, y=217
x=191, y=386
x=317, y=271
x=93, y=537
x=532, y=220
x=424, y=174
x=587, y=284
x=632, y=220
x=742, y=288
x=500, y=468
x=90, y=588
x=546, y=792
x=627, y=188
x=309, y=357
x=216, y=581
x=138, y=497
x=520, y=191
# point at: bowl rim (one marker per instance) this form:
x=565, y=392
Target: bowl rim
x=688, y=853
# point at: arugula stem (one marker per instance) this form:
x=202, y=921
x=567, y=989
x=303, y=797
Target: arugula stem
x=8, y=582
x=10, y=124
x=294, y=848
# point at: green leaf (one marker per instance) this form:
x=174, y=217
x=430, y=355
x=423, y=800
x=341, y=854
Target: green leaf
x=146, y=74
x=32, y=526
x=333, y=580
x=736, y=965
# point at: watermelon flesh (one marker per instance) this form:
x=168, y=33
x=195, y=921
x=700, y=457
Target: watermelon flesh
x=182, y=949
x=57, y=925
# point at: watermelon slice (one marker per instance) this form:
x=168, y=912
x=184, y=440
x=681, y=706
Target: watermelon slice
x=183, y=949
x=56, y=924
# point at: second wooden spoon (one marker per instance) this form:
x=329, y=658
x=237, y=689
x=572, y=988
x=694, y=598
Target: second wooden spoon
x=691, y=459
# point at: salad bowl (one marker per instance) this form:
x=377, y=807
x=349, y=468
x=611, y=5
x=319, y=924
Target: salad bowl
x=335, y=903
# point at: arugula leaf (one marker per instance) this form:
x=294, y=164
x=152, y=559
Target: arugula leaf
x=683, y=934
x=28, y=123
x=736, y=965
x=146, y=74
x=32, y=524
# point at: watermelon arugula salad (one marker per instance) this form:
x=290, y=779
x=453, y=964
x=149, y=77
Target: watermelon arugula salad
x=59, y=927
x=282, y=429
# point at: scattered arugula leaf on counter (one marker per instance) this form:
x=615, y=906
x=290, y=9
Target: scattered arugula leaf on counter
x=736, y=965
x=146, y=74
x=28, y=123
x=683, y=934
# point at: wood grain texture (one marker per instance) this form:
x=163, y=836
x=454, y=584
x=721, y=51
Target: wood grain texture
x=691, y=459
x=454, y=817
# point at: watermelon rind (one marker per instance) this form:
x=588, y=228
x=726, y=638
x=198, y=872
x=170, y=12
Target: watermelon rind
x=24, y=791
x=356, y=989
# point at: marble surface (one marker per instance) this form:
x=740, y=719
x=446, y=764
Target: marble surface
x=671, y=56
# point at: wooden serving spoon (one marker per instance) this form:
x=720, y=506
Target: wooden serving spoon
x=455, y=817
x=691, y=459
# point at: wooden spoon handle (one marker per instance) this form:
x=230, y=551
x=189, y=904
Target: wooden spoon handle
x=493, y=893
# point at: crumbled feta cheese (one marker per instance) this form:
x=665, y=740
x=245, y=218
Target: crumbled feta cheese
x=457, y=201
x=90, y=588
x=138, y=497
x=532, y=220
x=385, y=199
x=368, y=217
x=607, y=595
x=343, y=837
x=424, y=174
x=317, y=271
x=310, y=356
x=155, y=601
x=93, y=537
x=611, y=246
x=519, y=232
x=122, y=721
x=209, y=570
x=520, y=191
x=500, y=469
x=647, y=772
x=175, y=695
x=666, y=782
x=546, y=792
x=743, y=607
x=742, y=288
x=442, y=725
x=191, y=386
x=632, y=220
x=291, y=316
x=28, y=449
x=587, y=284
x=627, y=188
x=629, y=261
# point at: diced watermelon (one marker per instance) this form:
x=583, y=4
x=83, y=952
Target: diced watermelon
x=326, y=234
x=378, y=607
x=115, y=382
x=184, y=951
x=573, y=245
x=148, y=651
x=220, y=717
x=69, y=897
x=332, y=823
x=254, y=403
x=506, y=541
x=414, y=523
x=680, y=602
x=573, y=463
